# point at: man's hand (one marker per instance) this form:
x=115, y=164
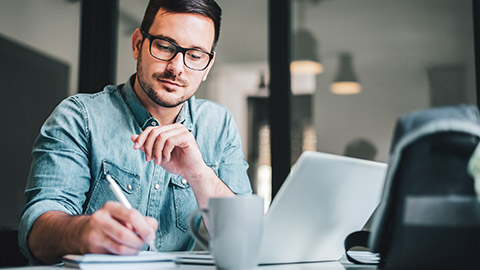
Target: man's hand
x=174, y=148
x=113, y=229
x=117, y=230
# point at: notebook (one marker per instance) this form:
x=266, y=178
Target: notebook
x=144, y=260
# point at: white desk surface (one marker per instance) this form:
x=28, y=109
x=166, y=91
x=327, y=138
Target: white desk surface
x=302, y=266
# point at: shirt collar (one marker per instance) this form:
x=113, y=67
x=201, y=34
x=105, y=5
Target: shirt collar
x=141, y=114
x=184, y=117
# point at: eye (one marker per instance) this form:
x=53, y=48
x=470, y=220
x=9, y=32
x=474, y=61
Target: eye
x=195, y=55
x=164, y=46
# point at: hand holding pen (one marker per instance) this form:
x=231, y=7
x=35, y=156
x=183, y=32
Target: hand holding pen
x=121, y=197
x=112, y=229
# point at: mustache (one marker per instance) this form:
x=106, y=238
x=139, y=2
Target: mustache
x=170, y=76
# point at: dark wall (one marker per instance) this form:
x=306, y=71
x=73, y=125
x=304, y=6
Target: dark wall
x=31, y=84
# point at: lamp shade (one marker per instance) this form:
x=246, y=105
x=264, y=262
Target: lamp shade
x=346, y=82
x=305, y=57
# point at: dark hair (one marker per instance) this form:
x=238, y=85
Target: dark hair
x=207, y=8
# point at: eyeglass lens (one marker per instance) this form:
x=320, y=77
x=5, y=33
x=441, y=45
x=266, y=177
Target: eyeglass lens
x=194, y=59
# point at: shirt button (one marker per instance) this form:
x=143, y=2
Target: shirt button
x=129, y=186
x=184, y=181
x=157, y=186
x=154, y=123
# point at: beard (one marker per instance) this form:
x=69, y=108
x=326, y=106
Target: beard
x=168, y=101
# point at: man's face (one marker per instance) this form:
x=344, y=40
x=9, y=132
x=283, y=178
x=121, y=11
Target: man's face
x=170, y=83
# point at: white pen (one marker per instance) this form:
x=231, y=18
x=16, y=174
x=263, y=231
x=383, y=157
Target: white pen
x=121, y=197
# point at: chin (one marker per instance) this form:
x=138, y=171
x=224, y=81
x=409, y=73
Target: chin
x=168, y=102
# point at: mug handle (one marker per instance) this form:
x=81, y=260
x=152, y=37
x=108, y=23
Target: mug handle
x=191, y=227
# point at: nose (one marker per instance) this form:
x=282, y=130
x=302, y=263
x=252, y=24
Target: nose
x=176, y=64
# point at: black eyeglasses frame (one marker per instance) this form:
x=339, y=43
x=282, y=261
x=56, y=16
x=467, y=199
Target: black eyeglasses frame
x=177, y=50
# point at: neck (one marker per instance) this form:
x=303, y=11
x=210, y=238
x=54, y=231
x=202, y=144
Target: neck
x=164, y=115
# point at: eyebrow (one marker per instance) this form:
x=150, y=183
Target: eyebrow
x=175, y=42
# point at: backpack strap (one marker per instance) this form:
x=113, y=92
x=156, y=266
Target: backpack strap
x=360, y=239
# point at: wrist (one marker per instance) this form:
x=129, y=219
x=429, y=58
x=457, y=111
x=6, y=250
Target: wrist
x=206, y=184
x=197, y=175
x=78, y=226
x=53, y=235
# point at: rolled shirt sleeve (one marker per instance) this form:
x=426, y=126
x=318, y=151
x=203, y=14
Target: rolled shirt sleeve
x=233, y=167
x=59, y=175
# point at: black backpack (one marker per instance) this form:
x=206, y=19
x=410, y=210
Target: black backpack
x=429, y=216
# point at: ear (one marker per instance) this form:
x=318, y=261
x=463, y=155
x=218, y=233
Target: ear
x=137, y=39
x=205, y=76
x=209, y=67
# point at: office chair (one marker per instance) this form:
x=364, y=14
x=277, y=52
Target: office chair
x=429, y=217
x=10, y=254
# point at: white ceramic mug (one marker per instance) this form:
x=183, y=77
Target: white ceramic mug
x=235, y=226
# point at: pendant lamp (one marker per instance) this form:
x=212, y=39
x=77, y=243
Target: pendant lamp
x=346, y=82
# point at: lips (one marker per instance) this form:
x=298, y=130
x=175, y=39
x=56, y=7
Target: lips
x=171, y=83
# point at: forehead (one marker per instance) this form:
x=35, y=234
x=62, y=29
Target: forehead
x=186, y=29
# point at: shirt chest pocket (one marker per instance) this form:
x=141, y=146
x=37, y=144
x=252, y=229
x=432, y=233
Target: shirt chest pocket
x=184, y=200
x=128, y=181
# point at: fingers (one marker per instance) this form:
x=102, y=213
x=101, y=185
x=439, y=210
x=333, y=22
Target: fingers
x=163, y=144
x=158, y=142
x=114, y=237
x=134, y=138
x=140, y=139
x=140, y=228
x=118, y=230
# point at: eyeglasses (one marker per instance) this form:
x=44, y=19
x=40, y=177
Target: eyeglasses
x=165, y=50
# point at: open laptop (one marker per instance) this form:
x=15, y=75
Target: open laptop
x=324, y=198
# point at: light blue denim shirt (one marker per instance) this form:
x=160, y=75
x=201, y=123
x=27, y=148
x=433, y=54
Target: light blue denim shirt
x=88, y=136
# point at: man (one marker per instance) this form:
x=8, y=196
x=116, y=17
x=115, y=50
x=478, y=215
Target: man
x=168, y=151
